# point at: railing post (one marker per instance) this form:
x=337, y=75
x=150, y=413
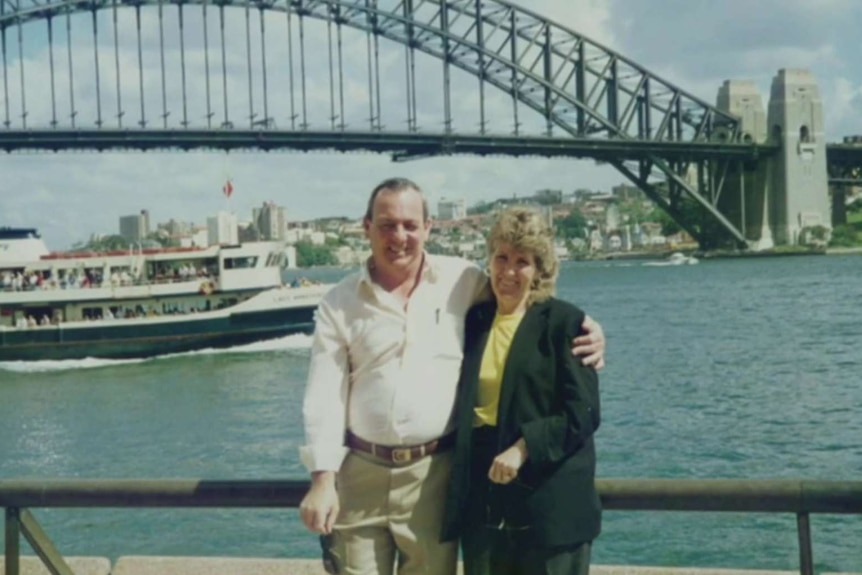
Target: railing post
x=13, y=541
x=42, y=545
x=806, y=557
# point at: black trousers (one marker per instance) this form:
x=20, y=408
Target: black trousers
x=496, y=539
x=501, y=552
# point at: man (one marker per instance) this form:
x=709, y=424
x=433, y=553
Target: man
x=381, y=389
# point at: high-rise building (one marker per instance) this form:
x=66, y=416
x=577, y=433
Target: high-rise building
x=270, y=220
x=451, y=209
x=549, y=196
x=222, y=229
x=135, y=228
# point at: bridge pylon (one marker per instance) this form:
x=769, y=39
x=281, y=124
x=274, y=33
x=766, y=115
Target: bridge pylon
x=798, y=190
x=743, y=198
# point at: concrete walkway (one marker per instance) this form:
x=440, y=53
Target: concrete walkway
x=153, y=565
x=79, y=565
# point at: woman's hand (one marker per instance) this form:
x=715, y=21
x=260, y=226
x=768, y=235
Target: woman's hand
x=505, y=466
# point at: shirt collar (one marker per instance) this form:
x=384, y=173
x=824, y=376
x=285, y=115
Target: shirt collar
x=430, y=271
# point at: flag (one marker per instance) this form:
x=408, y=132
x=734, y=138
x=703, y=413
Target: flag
x=227, y=188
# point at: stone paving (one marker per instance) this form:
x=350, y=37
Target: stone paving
x=154, y=565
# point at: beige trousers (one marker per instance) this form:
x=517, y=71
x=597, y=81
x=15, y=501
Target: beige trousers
x=393, y=514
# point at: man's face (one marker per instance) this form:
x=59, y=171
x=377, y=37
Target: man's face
x=397, y=231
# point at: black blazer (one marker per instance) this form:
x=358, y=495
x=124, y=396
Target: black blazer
x=552, y=401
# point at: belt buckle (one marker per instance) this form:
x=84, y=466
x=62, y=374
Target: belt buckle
x=401, y=454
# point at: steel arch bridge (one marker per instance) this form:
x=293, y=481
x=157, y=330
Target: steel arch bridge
x=330, y=74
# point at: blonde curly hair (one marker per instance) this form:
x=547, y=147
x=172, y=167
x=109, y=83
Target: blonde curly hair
x=527, y=230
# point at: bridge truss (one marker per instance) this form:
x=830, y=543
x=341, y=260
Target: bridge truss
x=413, y=78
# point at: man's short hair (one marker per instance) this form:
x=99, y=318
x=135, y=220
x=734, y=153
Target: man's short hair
x=396, y=185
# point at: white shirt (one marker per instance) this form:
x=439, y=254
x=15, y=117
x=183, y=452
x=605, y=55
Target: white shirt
x=386, y=372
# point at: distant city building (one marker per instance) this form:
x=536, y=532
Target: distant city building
x=612, y=217
x=135, y=228
x=305, y=235
x=582, y=194
x=222, y=229
x=353, y=229
x=549, y=196
x=624, y=192
x=561, y=251
x=200, y=236
x=270, y=220
x=451, y=209
x=248, y=232
x=173, y=228
x=548, y=212
x=346, y=256
x=596, y=240
x=290, y=253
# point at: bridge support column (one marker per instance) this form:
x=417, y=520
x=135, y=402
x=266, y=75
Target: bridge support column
x=799, y=199
x=742, y=197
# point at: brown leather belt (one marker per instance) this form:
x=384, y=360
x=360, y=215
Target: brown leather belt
x=400, y=453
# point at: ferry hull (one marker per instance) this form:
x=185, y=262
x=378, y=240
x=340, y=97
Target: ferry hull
x=147, y=339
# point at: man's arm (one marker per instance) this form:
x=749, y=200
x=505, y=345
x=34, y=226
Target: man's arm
x=324, y=413
x=590, y=347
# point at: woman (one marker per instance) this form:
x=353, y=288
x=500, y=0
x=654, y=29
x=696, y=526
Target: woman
x=522, y=496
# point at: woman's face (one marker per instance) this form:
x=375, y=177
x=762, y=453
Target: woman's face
x=512, y=274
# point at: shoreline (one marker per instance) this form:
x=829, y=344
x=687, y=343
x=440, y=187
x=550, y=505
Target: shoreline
x=719, y=254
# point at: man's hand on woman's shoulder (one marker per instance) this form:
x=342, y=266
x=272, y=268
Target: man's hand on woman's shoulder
x=590, y=347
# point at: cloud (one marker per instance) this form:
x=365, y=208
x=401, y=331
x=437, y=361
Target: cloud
x=696, y=45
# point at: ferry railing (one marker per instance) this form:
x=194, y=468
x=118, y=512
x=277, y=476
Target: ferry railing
x=799, y=497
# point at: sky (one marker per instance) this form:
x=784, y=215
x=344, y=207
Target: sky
x=69, y=195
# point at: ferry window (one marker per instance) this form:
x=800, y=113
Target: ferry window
x=239, y=263
x=91, y=313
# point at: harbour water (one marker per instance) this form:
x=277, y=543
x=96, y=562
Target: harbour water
x=745, y=368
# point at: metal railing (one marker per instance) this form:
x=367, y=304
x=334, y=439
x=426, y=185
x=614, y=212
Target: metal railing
x=799, y=497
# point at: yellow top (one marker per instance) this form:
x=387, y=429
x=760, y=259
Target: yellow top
x=491, y=372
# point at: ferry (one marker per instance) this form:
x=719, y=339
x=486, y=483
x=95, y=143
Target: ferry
x=145, y=302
